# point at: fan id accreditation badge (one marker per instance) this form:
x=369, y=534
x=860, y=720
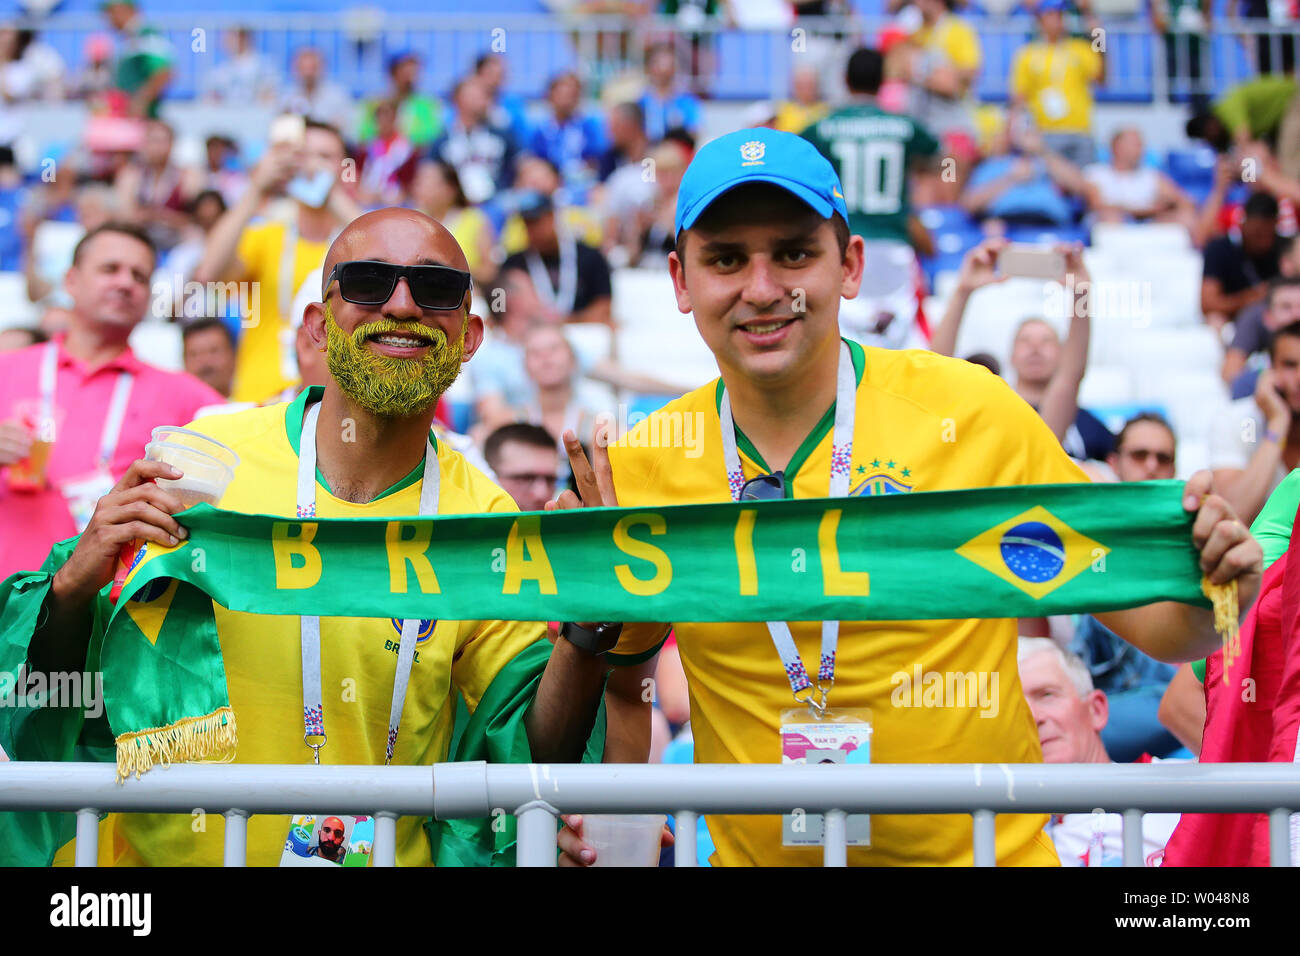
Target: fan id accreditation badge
x=323, y=839
x=83, y=493
x=839, y=736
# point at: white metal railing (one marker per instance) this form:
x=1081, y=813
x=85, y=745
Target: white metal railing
x=537, y=793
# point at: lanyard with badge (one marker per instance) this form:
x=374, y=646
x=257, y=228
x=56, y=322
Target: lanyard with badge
x=83, y=492
x=312, y=836
x=1052, y=97
x=812, y=732
x=563, y=299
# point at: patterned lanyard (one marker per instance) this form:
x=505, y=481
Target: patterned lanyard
x=841, y=456
x=313, y=714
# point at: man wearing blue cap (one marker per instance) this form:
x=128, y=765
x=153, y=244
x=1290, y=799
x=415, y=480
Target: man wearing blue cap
x=1053, y=79
x=763, y=257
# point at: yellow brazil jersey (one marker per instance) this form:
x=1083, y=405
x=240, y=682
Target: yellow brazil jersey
x=923, y=423
x=263, y=660
x=955, y=38
x=1055, y=80
x=266, y=361
x=580, y=222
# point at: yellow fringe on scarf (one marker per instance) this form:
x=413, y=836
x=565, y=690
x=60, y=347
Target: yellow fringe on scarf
x=192, y=740
x=1226, y=616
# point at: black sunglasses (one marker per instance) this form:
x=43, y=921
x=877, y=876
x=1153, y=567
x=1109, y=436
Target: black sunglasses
x=368, y=282
x=764, y=488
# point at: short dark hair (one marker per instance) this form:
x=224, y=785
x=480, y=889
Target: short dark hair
x=1287, y=331
x=1280, y=282
x=119, y=226
x=865, y=72
x=203, y=197
x=633, y=112
x=987, y=360
x=309, y=123
x=521, y=432
x=840, y=227
x=483, y=59
x=1260, y=205
x=1155, y=418
x=682, y=136
x=203, y=325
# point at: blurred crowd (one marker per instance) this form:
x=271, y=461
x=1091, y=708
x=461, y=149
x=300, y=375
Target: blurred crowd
x=548, y=199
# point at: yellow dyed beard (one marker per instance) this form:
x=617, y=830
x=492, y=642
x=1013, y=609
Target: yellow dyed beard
x=384, y=385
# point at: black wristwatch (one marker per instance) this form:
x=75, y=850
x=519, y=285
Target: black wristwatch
x=597, y=641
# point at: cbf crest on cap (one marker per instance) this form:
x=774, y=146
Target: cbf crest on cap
x=758, y=155
x=752, y=152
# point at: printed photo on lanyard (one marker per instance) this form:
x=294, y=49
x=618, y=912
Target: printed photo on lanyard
x=327, y=840
x=838, y=737
x=298, y=844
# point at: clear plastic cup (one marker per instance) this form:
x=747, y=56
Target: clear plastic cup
x=207, y=467
x=206, y=464
x=203, y=479
x=624, y=840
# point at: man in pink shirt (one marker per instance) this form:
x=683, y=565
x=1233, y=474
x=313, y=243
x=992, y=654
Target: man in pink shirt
x=87, y=392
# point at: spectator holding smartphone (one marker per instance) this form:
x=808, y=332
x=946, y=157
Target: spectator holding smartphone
x=288, y=244
x=1255, y=441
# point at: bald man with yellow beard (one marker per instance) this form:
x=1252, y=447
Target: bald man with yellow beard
x=396, y=326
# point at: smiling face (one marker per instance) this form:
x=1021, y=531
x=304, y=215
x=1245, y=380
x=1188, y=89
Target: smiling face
x=394, y=359
x=763, y=274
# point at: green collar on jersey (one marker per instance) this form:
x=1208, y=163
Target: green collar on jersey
x=293, y=429
x=820, y=430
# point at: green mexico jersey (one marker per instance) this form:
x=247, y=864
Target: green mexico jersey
x=871, y=151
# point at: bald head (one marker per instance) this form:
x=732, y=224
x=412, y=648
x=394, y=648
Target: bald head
x=398, y=235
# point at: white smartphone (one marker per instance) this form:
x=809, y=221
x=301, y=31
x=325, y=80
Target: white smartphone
x=1031, y=261
x=289, y=128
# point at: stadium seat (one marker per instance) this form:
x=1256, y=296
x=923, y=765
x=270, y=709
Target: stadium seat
x=1113, y=416
x=591, y=340
x=1143, y=238
x=15, y=309
x=1192, y=168
x=1193, y=455
x=643, y=297
x=1192, y=398
x=158, y=343
x=673, y=353
x=1106, y=385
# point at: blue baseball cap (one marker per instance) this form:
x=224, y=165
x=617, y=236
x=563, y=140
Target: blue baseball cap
x=758, y=155
x=1048, y=6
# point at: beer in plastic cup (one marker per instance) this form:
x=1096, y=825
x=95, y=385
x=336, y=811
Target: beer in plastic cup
x=631, y=840
x=29, y=474
x=207, y=467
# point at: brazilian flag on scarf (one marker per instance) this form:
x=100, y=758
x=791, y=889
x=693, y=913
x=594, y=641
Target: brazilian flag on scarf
x=984, y=553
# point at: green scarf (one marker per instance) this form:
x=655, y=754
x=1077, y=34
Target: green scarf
x=986, y=553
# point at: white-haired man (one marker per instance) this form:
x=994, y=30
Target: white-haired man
x=1070, y=714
